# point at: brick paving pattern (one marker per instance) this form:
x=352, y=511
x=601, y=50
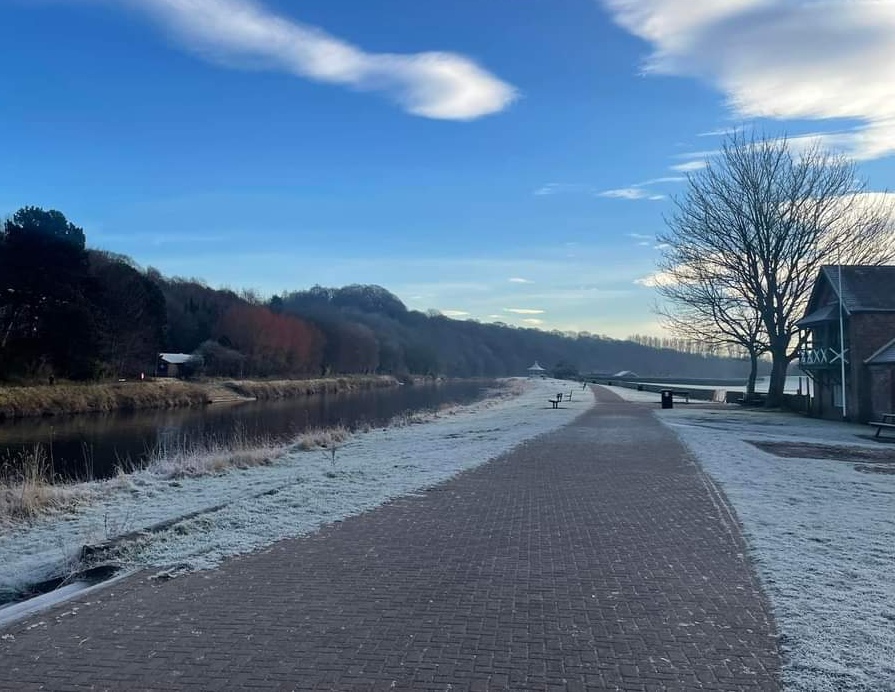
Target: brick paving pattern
x=596, y=557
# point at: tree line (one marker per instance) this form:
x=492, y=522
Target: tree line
x=68, y=311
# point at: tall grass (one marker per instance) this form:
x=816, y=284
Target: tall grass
x=188, y=458
x=285, y=389
x=27, y=489
x=48, y=400
x=325, y=438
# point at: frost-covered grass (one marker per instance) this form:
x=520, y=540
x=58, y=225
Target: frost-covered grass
x=290, y=496
x=822, y=533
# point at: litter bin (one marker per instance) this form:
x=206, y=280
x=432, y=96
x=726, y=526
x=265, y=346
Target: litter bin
x=667, y=398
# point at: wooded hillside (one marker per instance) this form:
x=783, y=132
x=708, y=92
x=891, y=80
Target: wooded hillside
x=74, y=313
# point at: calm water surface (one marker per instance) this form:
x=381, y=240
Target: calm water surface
x=93, y=445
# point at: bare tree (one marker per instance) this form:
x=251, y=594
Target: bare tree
x=753, y=230
x=701, y=305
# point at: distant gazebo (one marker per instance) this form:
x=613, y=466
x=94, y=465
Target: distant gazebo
x=536, y=370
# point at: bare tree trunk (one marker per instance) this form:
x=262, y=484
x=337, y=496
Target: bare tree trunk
x=753, y=374
x=779, y=366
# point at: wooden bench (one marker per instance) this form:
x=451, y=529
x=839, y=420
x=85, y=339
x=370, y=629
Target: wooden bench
x=888, y=421
x=557, y=401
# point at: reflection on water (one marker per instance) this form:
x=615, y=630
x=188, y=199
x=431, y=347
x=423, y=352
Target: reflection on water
x=94, y=445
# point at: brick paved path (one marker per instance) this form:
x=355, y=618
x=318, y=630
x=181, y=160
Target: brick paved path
x=595, y=557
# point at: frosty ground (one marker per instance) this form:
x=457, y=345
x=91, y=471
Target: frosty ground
x=298, y=493
x=821, y=530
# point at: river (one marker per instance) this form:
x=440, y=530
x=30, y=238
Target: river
x=94, y=446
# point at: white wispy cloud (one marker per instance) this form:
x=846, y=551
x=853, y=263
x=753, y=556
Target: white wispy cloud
x=631, y=193
x=795, y=60
x=520, y=280
x=655, y=279
x=524, y=311
x=664, y=179
x=558, y=188
x=689, y=166
x=454, y=313
x=624, y=193
x=533, y=321
x=641, y=190
x=245, y=33
x=721, y=132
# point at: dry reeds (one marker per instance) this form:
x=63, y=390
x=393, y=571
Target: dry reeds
x=27, y=489
x=47, y=400
x=216, y=455
x=322, y=438
x=286, y=389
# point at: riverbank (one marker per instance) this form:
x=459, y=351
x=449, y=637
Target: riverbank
x=290, y=493
x=69, y=398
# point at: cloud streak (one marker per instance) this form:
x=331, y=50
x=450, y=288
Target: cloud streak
x=243, y=33
x=631, y=193
x=689, y=166
x=524, y=311
x=781, y=60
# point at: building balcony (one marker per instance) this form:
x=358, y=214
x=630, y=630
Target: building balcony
x=821, y=357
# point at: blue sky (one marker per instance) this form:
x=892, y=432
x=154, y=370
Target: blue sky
x=496, y=160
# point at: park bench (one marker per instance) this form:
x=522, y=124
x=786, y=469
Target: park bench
x=556, y=402
x=888, y=421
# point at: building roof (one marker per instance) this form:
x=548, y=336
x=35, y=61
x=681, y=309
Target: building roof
x=864, y=288
x=828, y=313
x=176, y=358
x=884, y=356
x=536, y=366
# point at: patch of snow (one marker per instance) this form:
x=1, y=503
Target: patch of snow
x=295, y=495
x=822, y=536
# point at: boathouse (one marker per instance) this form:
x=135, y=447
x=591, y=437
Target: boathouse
x=857, y=301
